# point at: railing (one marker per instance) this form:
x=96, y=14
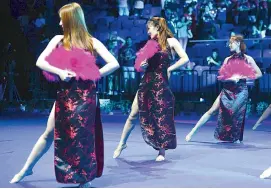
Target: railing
x=187, y=85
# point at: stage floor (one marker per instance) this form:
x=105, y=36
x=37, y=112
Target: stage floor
x=204, y=162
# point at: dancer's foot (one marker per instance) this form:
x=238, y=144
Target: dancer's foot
x=189, y=136
x=238, y=142
x=255, y=126
x=85, y=185
x=118, y=150
x=20, y=176
x=160, y=158
x=161, y=155
x=266, y=173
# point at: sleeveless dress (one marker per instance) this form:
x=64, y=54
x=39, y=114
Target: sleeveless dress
x=78, y=134
x=156, y=102
x=233, y=100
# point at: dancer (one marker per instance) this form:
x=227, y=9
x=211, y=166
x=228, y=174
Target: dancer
x=264, y=116
x=233, y=98
x=75, y=115
x=154, y=100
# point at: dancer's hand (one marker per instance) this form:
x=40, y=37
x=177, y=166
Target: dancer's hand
x=66, y=75
x=144, y=65
x=235, y=78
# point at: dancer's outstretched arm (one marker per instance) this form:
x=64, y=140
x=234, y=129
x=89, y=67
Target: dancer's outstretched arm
x=204, y=118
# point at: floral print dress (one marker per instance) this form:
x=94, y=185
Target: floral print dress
x=78, y=133
x=233, y=100
x=156, y=104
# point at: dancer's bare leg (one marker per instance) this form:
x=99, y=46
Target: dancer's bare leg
x=265, y=115
x=40, y=148
x=204, y=118
x=128, y=127
x=266, y=173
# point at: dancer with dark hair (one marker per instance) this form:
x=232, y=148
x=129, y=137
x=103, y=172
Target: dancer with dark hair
x=232, y=100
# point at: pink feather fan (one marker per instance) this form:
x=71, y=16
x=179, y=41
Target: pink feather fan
x=81, y=62
x=148, y=51
x=236, y=67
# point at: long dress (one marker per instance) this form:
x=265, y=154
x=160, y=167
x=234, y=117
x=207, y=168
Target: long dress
x=78, y=135
x=232, y=111
x=156, y=103
x=233, y=102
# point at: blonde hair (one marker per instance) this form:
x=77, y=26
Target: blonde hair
x=74, y=27
x=239, y=38
x=163, y=31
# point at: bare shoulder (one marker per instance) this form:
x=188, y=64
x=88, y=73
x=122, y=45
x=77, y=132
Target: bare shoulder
x=172, y=41
x=96, y=43
x=52, y=45
x=226, y=59
x=249, y=58
x=94, y=40
x=57, y=38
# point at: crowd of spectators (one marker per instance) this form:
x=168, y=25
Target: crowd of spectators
x=121, y=26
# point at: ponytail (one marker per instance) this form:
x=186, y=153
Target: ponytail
x=163, y=31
